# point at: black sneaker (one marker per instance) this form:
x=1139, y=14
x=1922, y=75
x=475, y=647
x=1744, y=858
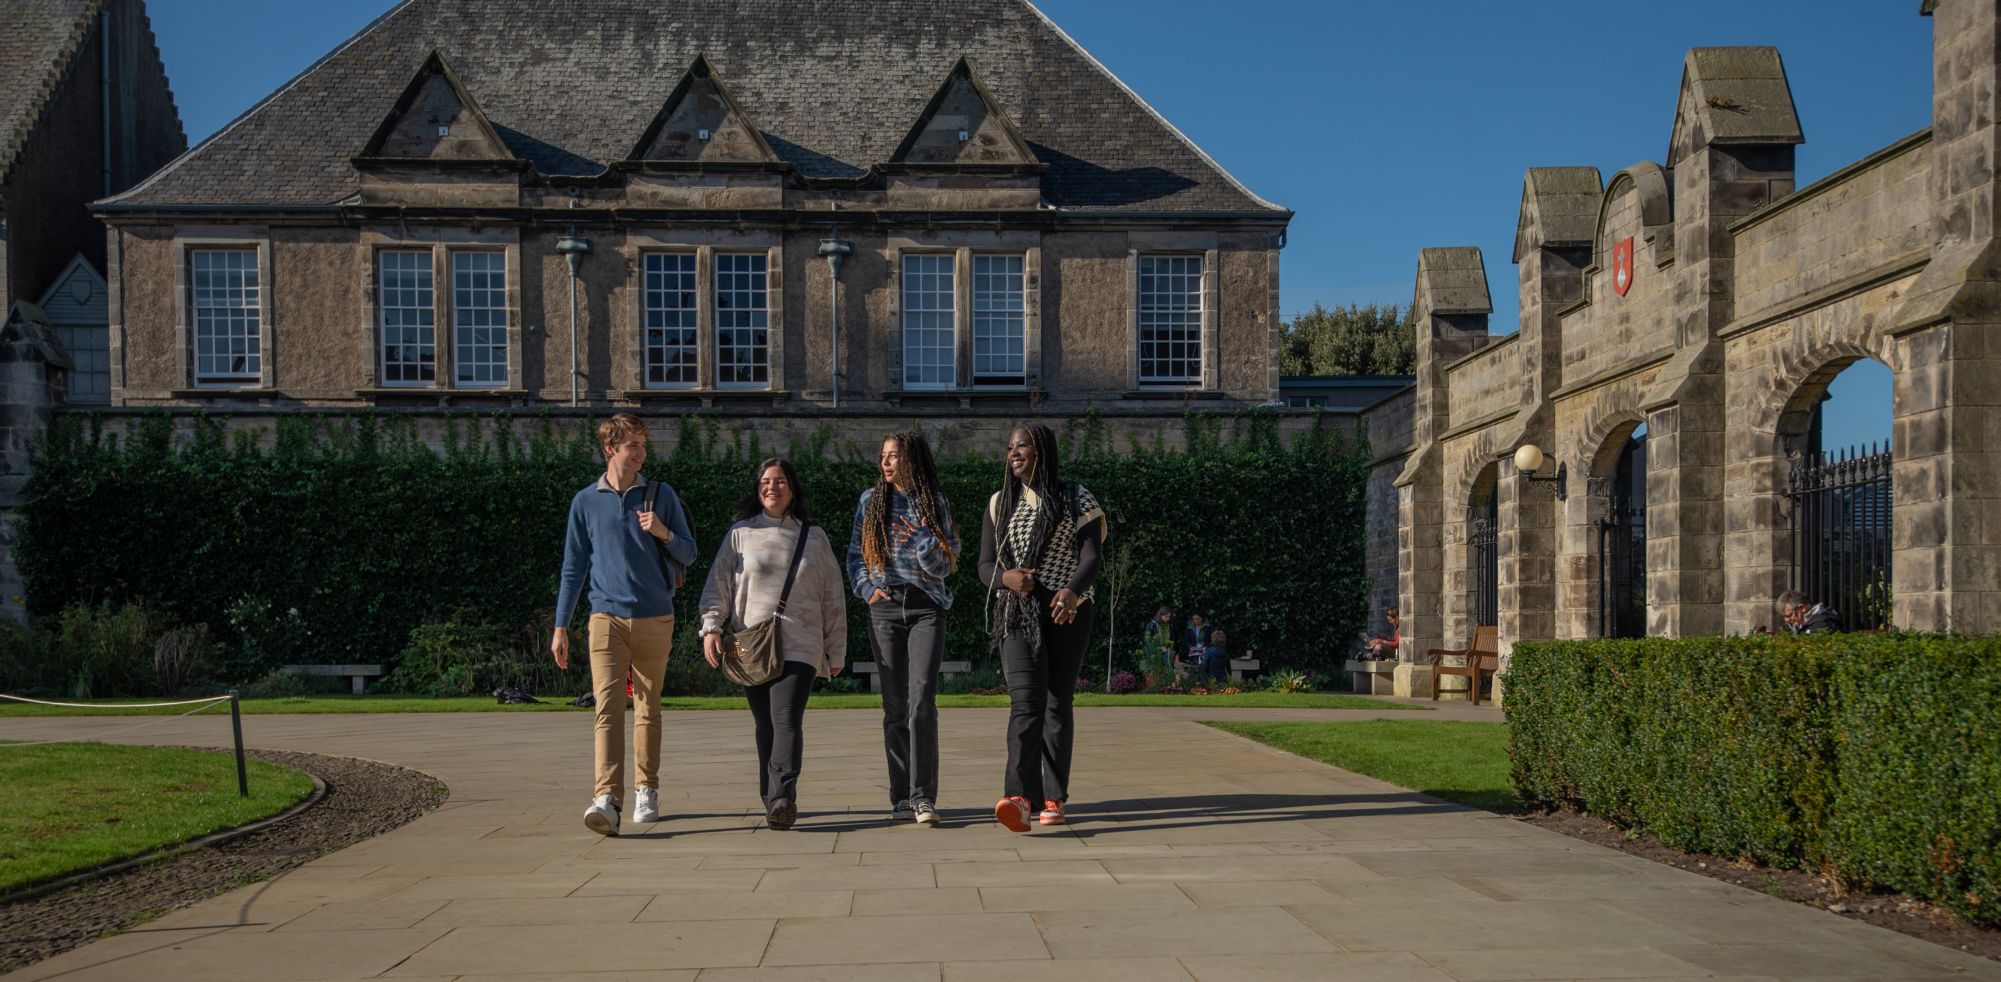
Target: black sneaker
x=781, y=814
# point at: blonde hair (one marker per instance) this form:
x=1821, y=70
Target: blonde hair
x=619, y=428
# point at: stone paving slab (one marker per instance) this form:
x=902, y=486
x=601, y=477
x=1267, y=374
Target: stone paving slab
x=1193, y=855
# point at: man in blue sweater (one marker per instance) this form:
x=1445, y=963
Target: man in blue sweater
x=616, y=544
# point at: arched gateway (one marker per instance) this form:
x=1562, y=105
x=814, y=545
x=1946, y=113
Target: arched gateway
x=1680, y=325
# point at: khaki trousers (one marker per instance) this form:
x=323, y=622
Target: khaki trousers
x=619, y=645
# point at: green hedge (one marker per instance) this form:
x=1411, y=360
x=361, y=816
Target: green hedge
x=332, y=540
x=1873, y=758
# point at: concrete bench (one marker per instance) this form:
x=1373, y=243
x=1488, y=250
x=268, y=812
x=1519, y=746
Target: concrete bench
x=1238, y=666
x=1375, y=677
x=947, y=669
x=358, y=673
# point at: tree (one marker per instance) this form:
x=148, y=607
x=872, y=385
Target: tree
x=1349, y=340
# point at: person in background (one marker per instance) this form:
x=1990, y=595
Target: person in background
x=622, y=550
x=1041, y=541
x=1803, y=616
x=1386, y=647
x=1216, y=655
x=1194, y=640
x=1157, y=637
x=901, y=548
x=745, y=582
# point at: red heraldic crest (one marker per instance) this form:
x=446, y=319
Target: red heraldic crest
x=1622, y=265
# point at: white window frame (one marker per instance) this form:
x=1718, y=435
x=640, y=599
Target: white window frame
x=929, y=307
x=465, y=342
x=423, y=304
x=1000, y=318
x=1162, y=305
x=248, y=308
x=750, y=273
x=660, y=320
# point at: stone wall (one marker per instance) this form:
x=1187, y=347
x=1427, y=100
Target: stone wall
x=320, y=305
x=1743, y=300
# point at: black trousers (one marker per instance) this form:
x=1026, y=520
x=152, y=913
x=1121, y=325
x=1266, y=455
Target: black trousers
x=779, y=707
x=907, y=631
x=1041, y=685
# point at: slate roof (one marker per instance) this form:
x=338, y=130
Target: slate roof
x=833, y=84
x=38, y=38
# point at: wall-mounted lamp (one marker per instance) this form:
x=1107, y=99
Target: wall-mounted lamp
x=835, y=250
x=1529, y=459
x=574, y=248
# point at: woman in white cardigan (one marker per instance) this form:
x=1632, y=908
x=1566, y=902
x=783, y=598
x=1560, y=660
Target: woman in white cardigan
x=744, y=584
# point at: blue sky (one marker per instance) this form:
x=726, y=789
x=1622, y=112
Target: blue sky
x=1387, y=126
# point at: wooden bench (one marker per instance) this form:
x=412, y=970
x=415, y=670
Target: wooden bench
x=946, y=669
x=1372, y=677
x=1483, y=657
x=358, y=673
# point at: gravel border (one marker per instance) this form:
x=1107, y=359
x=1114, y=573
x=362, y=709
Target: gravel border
x=363, y=799
x=1895, y=911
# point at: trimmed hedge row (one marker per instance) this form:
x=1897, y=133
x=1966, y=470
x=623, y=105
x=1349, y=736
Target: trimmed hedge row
x=330, y=541
x=1872, y=758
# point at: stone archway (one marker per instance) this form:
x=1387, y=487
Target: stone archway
x=1787, y=508
x=1608, y=519
x=1483, y=548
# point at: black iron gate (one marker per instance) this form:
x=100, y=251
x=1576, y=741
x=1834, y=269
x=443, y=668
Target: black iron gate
x=1622, y=548
x=1840, y=523
x=1486, y=573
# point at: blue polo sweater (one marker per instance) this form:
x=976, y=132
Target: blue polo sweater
x=622, y=561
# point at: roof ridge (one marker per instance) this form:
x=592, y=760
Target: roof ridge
x=1155, y=113
x=319, y=63
x=11, y=143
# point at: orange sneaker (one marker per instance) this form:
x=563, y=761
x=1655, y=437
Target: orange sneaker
x=1012, y=811
x=1052, y=813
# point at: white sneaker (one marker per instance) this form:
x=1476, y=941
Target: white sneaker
x=924, y=812
x=647, y=804
x=602, y=816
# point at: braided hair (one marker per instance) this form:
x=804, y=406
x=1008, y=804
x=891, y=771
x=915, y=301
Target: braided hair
x=1016, y=613
x=922, y=473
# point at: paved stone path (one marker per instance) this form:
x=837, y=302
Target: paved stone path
x=1194, y=855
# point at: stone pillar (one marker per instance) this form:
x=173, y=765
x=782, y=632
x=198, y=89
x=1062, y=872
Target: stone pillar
x=1731, y=154
x=1554, y=233
x=1945, y=555
x=1449, y=308
x=33, y=376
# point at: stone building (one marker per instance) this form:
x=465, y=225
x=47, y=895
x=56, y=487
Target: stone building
x=84, y=112
x=1680, y=322
x=486, y=205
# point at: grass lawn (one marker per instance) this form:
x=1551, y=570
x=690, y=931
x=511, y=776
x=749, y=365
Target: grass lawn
x=1463, y=762
x=71, y=806
x=821, y=700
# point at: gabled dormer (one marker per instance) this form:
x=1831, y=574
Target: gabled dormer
x=964, y=129
x=701, y=127
x=436, y=123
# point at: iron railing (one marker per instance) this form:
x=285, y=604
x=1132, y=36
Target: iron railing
x=1622, y=568
x=1486, y=574
x=1840, y=523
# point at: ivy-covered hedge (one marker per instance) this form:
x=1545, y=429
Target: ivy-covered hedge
x=1872, y=757
x=329, y=541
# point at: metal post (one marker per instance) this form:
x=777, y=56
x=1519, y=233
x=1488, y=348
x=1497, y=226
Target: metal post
x=236, y=730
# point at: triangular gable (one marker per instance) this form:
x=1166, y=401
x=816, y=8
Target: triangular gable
x=436, y=119
x=26, y=325
x=963, y=126
x=1732, y=96
x=77, y=298
x=701, y=124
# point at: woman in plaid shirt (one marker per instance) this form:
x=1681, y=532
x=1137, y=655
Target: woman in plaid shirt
x=901, y=550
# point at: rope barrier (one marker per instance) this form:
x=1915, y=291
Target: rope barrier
x=116, y=705
x=153, y=721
